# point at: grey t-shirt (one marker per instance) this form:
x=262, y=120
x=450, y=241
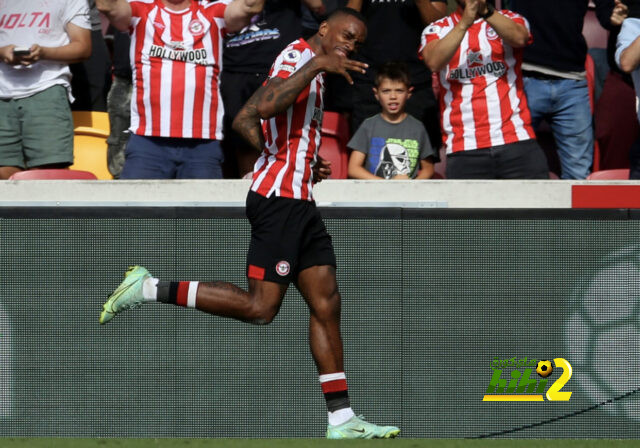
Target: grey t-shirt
x=392, y=148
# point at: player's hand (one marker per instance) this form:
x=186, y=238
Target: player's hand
x=34, y=56
x=7, y=56
x=335, y=63
x=321, y=169
x=620, y=12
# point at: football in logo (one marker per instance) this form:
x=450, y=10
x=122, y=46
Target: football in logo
x=196, y=27
x=282, y=268
x=544, y=368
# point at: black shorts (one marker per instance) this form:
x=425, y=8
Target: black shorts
x=287, y=236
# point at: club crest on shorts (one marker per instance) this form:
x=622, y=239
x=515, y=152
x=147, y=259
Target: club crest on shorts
x=283, y=268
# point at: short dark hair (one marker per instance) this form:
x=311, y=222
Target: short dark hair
x=395, y=71
x=347, y=11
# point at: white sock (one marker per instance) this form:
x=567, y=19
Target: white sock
x=150, y=290
x=340, y=416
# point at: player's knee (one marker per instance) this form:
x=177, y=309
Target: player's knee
x=262, y=313
x=327, y=307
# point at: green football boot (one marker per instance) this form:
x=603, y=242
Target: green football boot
x=127, y=296
x=357, y=428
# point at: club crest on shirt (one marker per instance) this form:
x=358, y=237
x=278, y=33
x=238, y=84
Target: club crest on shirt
x=196, y=27
x=491, y=33
x=282, y=268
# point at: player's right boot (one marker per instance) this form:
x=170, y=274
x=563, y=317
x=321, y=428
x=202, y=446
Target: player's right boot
x=127, y=296
x=358, y=428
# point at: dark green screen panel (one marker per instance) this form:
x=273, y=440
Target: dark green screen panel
x=427, y=305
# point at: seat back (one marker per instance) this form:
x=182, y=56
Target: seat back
x=333, y=146
x=52, y=174
x=618, y=174
x=91, y=119
x=91, y=130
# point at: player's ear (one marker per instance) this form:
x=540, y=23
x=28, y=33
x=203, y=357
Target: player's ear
x=323, y=29
x=375, y=93
x=409, y=91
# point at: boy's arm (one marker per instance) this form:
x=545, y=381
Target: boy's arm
x=357, y=169
x=426, y=169
x=117, y=11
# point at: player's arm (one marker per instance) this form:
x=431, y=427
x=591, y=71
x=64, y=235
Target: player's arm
x=247, y=121
x=431, y=11
x=630, y=57
x=512, y=33
x=117, y=11
x=281, y=93
x=78, y=48
x=426, y=169
x=239, y=12
x=356, y=168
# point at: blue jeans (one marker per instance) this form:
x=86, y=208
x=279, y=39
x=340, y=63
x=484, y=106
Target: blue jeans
x=172, y=158
x=564, y=104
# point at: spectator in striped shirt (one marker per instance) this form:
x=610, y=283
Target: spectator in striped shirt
x=486, y=122
x=176, y=109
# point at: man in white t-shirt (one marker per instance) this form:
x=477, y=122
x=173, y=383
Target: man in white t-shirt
x=38, y=41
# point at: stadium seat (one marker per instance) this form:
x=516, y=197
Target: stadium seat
x=333, y=146
x=618, y=174
x=84, y=120
x=90, y=150
x=52, y=174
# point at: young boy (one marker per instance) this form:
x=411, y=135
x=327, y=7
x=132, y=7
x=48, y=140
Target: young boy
x=391, y=144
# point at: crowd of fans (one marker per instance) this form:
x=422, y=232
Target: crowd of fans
x=176, y=73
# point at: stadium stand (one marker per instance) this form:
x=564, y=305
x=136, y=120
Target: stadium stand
x=91, y=130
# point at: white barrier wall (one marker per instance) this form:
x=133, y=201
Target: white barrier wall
x=433, y=193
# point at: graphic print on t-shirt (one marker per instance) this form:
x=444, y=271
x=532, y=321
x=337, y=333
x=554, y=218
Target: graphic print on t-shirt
x=392, y=156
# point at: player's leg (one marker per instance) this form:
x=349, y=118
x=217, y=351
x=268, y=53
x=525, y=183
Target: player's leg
x=319, y=288
x=258, y=305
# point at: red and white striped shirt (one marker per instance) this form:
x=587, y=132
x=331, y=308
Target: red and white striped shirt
x=482, y=99
x=292, y=138
x=176, y=61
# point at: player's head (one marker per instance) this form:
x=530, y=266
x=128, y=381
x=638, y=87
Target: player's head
x=343, y=32
x=392, y=88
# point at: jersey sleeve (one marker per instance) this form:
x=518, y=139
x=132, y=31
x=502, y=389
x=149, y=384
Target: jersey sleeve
x=520, y=20
x=216, y=10
x=289, y=61
x=77, y=12
x=426, y=150
x=360, y=140
x=628, y=33
x=433, y=32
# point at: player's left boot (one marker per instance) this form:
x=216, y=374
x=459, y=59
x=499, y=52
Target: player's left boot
x=357, y=428
x=127, y=296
